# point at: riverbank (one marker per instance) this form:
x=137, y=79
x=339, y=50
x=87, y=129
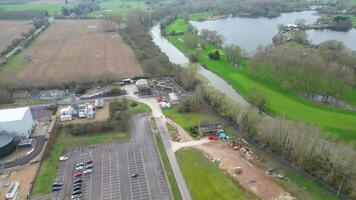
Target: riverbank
x=337, y=122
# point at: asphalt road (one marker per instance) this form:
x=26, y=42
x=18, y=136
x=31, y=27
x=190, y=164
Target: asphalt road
x=163, y=131
x=114, y=163
x=40, y=140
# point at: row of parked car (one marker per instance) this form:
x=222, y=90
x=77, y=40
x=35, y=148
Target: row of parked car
x=80, y=169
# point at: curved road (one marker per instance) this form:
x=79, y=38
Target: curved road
x=40, y=140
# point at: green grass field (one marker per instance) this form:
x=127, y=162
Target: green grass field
x=118, y=7
x=8, y=70
x=52, y=8
x=48, y=170
x=167, y=168
x=339, y=123
x=179, y=26
x=205, y=180
x=200, y=16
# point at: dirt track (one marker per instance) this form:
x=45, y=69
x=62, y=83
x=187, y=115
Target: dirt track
x=78, y=50
x=10, y=30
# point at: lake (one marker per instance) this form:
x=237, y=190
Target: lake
x=249, y=33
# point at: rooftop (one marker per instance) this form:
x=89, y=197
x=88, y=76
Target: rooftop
x=12, y=114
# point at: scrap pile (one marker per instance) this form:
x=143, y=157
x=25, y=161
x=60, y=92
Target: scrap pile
x=238, y=145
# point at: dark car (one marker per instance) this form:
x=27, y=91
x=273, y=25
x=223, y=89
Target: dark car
x=77, y=184
x=54, y=189
x=77, y=192
x=78, y=181
x=134, y=175
x=57, y=184
x=88, y=162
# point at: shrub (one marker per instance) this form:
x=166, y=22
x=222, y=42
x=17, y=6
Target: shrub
x=214, y=55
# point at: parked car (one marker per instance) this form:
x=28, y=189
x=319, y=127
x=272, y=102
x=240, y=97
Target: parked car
x=57, y=188
x=63, y=158
x=77, y=192
x=57, y=184
x=88, y=166
x=78, y=174
x=79, y=164
x=134, y=175
x=79, y=180
x=77, y=184
x=76, y=196
x=88, y=171
x=88, y=162
x=78, y=189
x=79, y=168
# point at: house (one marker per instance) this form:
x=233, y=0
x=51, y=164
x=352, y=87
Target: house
x=210, y=129
x=16, y=121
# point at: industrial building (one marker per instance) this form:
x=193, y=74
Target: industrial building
x=7, y=144
x=16, y=121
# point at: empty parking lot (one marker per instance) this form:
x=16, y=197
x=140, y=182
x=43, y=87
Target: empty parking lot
x=114, y=163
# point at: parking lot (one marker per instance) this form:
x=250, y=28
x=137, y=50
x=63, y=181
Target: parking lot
x=113, y=165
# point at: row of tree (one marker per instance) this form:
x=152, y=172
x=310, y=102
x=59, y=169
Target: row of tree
x=303, y=71
x=255, y=8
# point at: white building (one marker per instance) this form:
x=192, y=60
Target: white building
x=16, y=121
x=173, y=98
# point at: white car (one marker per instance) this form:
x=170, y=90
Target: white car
x=88, y=171
x=79, y=168
x=63, y=158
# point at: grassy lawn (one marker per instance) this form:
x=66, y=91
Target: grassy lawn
x=49, y=166
x=167, y=168
x=179, y=26
x=340, y=123
x=188, y=120
x=8, y=70
x=51, y=8
x=118, y=7
x=140, y=108
x=200, y=16
x=205, y=180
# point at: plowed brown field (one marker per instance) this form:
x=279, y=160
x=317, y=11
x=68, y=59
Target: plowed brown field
x=77, y=50
x=10, y=30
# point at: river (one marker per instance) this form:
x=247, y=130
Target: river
x=249, y=33
x=177, y=57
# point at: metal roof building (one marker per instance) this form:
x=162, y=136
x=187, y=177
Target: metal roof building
x=16, y=121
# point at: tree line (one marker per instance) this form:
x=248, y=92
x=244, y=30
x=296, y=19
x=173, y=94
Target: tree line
x=303, y=71
x=255, y=8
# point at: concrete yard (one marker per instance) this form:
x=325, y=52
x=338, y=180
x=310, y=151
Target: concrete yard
x=113, y=164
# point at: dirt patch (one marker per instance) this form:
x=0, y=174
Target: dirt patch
x=25, y=175
x=252, y=178
x=77, y=50
x=10, y=30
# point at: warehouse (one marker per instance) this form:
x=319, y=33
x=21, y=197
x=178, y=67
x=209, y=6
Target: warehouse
x=7, y=145
x=16, y=121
